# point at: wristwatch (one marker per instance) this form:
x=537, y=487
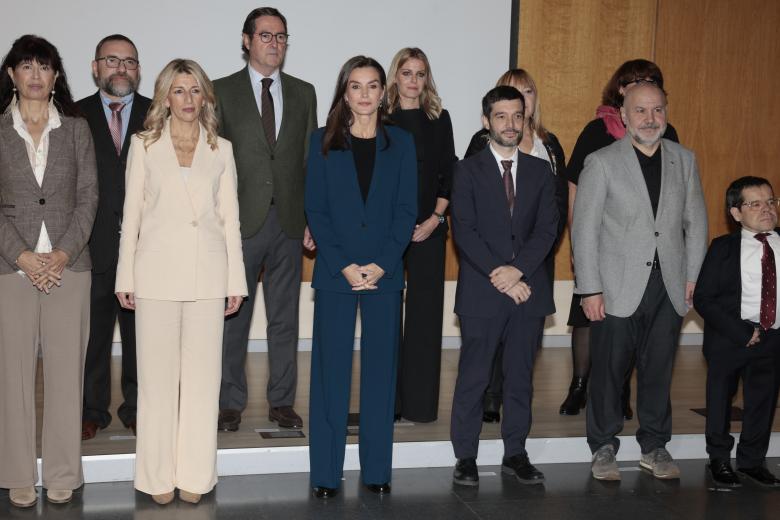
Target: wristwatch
x=441, y=217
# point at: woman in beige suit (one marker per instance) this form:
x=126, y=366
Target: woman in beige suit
x=179, y=258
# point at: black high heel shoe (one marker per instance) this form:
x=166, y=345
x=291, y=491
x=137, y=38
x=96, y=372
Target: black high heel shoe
x=324, y=492
x=577, y=397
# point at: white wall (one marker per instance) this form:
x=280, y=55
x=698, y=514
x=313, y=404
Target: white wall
x=467, y=42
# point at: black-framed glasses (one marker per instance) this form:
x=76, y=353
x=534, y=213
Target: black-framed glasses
x=113, y=62
x=266, y=37
x=755, y=205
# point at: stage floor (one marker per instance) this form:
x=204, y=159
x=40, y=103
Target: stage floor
x=551, y=381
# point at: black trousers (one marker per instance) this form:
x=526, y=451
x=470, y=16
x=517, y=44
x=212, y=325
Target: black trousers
x=104, y=311
x=757, y=367
x=419, y=366
x=652, y=334
x=480, y=338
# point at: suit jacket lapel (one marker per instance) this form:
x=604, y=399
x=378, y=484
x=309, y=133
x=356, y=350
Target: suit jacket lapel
x=494, y=180
x=245, y=96
x=670, y=168
x=635, y=174
x=137, y=116
x=57, y=149
x=201, y=166
x=289, y=99
x=170, y=164
x=18, y=149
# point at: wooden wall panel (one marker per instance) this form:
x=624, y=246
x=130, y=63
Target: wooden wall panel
x=720, y=63
x=571, y=48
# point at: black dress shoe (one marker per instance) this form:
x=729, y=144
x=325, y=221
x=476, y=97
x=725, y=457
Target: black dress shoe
x=285, y=417
x=491, y=416
x=324, y=492
x=576, y=398
x=760, y=475
x=466, y=473
x=521, y=467
x=379, y=489
x=722, y=474
x=228, y=420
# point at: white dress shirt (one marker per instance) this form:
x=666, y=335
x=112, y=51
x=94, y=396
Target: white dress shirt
x=276, y=94
x=499, y=158
x=751, y=251
x=38, y=158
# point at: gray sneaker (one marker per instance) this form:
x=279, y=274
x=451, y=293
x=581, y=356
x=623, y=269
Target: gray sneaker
x=603, y=465
x=660, y=463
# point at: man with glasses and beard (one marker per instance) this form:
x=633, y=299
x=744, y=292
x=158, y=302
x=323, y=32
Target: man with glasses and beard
x=639, y=236
x=505, y=222
x=115, y=112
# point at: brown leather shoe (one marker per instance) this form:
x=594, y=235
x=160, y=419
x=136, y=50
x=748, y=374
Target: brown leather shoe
x=285, y=417
x=88, y=430
x=228, y=420
x=23, y=497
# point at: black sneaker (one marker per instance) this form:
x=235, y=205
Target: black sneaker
x=521, y=467
x=466, y=473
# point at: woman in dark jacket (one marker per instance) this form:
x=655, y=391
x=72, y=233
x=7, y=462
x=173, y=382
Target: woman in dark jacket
x=414, y=105
x=539, y=142
x=602, y=131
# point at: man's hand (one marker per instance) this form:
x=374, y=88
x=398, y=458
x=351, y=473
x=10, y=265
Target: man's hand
x=755, y=339
x=233, y=304
x=308, y=240
x=519, y=293
x=593, y=307
x=126, y=300
x=689, y=287
x=505, y=277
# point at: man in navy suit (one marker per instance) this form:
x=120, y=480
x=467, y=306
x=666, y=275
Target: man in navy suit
x=737, y=295
x=504, y=219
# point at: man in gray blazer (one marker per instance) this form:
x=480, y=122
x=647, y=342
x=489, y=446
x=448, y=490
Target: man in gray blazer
x=639, y=238
x=268, y=116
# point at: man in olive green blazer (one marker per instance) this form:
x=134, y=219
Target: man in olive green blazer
x=268, y=116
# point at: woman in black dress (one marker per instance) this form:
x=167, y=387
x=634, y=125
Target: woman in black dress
x=415, y=106
x=539, y=142
x=602, y=131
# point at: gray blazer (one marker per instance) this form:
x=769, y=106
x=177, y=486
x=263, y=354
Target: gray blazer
x=615, y=235
x=67, y=201
x=265, y=173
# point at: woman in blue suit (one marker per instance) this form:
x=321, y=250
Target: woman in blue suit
x=361, y=206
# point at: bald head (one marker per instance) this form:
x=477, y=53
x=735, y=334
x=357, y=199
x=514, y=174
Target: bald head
x=644, y=114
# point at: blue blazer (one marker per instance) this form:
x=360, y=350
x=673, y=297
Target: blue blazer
x=487, y=236
x=346, y=229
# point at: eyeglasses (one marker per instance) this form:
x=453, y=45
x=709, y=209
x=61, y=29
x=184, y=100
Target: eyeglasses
x=112, y=62
x=755, y=205
x=266, y=37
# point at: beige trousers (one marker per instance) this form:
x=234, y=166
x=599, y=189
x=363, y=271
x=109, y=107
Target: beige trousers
x=59, y=324
x=179, y=351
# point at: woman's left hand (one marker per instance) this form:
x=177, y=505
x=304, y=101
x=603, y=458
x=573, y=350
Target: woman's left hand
x=233, y=304
x=424, y=230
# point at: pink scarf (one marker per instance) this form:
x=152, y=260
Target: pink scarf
x=611, y=117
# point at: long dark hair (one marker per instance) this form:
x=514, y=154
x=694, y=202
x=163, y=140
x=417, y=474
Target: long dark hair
x=340, y=116
x=34, y=48
x=629, y=72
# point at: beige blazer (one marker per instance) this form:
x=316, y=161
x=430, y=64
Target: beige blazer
x=181, y=239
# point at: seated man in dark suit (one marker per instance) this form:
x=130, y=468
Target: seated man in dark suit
x=737, y=295
x=505, y=222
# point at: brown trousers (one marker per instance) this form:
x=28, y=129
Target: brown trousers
x=59, y=324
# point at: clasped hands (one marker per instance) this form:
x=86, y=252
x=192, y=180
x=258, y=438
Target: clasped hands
x=506, y=279
x=363, y=277
x=44, y=270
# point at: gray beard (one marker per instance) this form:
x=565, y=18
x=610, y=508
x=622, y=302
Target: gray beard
x=107, y=86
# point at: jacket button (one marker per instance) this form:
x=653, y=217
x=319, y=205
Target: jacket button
x=272, y=157
x=657, y=233
x=194, y=223
x=513, y=237
x=363, y=225
x=648, y=264
x=42, y=202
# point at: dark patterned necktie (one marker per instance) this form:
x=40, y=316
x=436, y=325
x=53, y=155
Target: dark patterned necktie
x=509, y=186
x=267, y=106
x=768, y=284
x=115, y=126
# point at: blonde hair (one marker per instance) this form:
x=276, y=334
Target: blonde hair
x=522, y=77
x=430, y=101
x=158, y=113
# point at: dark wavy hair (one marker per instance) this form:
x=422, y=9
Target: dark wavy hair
x=339, y=118
x=629, y=72
x=251, y=19
x=31, y=48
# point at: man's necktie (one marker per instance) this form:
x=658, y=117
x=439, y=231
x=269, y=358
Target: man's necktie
x=768, y=284
x=267, y=106
x=115, y=126
x=509, y=186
